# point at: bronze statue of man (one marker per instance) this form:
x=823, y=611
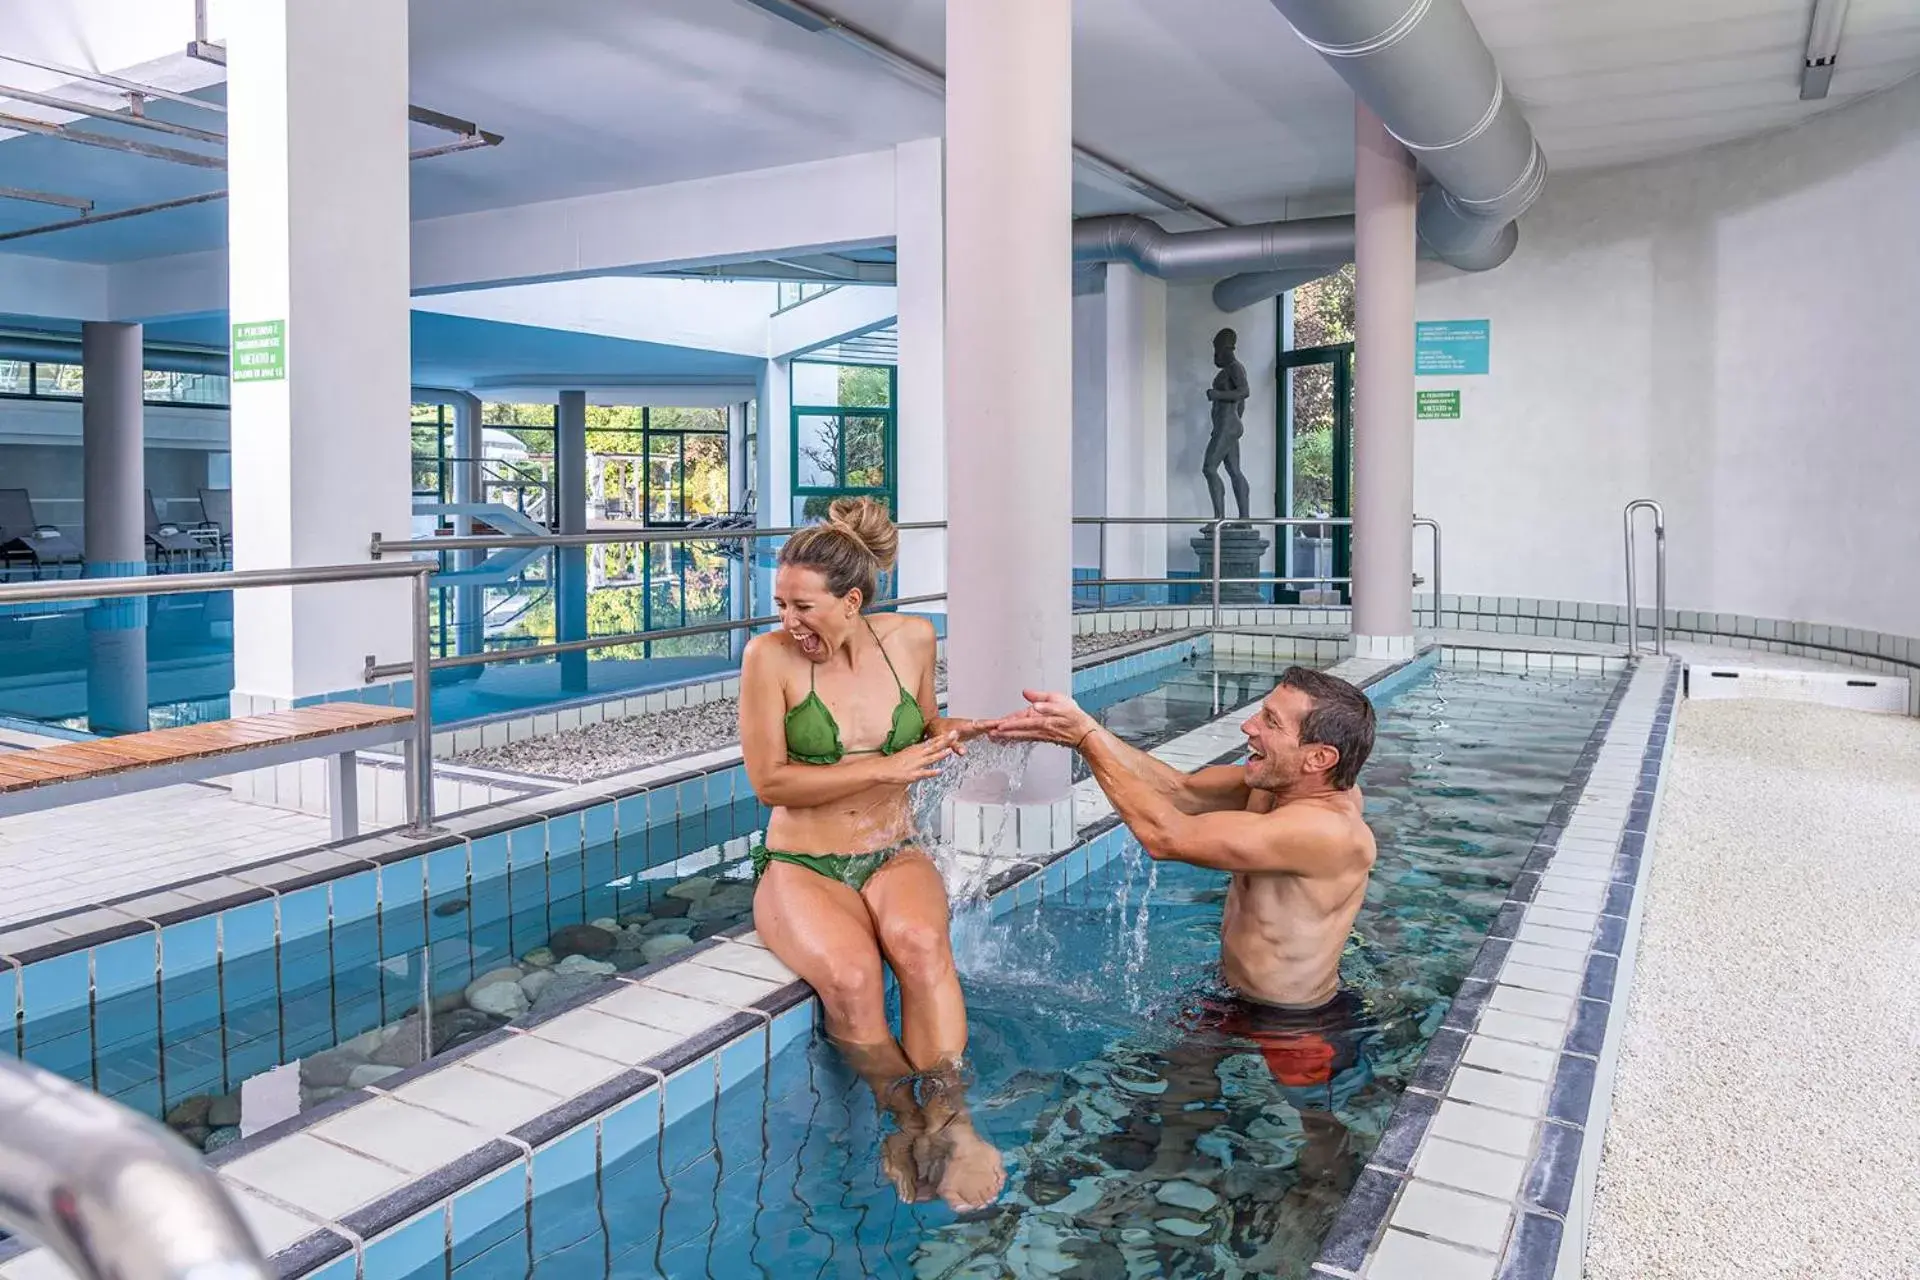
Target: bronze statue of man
x=1229, y=394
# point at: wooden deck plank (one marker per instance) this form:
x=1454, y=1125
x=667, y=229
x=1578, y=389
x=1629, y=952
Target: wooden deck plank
x=73, y=761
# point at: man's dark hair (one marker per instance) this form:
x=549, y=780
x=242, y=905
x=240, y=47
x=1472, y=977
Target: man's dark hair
x=1341, y=718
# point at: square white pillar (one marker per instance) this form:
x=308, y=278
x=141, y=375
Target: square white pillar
x=318, y=249
x=920, y=293
x=1136, y=456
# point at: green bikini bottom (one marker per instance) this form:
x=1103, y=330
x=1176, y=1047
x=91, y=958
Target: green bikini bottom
x=853, y=869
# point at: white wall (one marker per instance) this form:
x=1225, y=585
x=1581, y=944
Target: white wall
x=1192, y=320
x=716, y=315
x=1731, y=332
x=1089, y=422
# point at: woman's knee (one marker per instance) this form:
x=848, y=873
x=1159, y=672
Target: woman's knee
x=919, y=950
x=851, y=987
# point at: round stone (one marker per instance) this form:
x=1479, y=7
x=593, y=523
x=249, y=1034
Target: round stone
x=458, y=1027
x=1182, y=1227
x=581, y=964
x=372, y=1073
x=195, y=1134
x=402, y=1048
x=565, y=987
x=628, y=958
x=539, y=958
x=635, y=920
x=582, y=940
x=659, y=948
x=666, y=907
x=220, y=1138
x=493, y=977
x=328, y=1070
x=608, y=923
x=536, y=982
x=501, y=999
x=1182, y=1194
x=191, y=1112
x=224, y=1111
x=681, y=925
x=694, y=888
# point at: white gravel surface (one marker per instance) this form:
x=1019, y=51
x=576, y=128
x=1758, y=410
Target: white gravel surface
x=616, y=746
x=1766, y=1116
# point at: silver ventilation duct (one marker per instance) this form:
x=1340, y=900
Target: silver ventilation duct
x=1421, y=66
x=1263, y=260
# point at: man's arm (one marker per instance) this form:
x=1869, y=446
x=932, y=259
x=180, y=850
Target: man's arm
x=1056, y=718
x=1296, y=838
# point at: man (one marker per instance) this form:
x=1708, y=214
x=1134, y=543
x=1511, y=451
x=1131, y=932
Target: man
x=1286, y=825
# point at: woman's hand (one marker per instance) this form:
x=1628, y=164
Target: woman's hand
x=1049, y=717
x=920, y=761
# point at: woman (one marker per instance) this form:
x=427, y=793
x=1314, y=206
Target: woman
x=837, y=719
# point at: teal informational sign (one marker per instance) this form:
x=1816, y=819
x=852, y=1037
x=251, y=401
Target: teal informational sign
x=1450, y=347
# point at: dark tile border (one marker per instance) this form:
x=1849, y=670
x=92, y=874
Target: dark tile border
x=1406, y=1127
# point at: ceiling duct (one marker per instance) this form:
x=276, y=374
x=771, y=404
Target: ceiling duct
x=1261, y=260
x=1421, y=66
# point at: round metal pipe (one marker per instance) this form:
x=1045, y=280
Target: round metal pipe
x=114, y=1194
x=175, y=584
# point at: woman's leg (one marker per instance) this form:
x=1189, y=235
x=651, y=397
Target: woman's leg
x=909, y=904
x=823, y=931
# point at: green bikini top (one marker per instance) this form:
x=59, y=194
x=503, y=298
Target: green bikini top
x=813, y=736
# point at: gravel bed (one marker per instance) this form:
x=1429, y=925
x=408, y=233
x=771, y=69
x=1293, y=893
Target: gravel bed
x=1767, y=1099
x=616, y=746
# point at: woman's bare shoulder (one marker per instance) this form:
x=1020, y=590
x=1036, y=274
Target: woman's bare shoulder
x=908, y=629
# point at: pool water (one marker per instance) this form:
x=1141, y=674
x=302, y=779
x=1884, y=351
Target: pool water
x=222, y=1048
x=1134, y=1148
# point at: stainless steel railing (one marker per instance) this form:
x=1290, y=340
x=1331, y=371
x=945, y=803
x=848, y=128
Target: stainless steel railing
x=115, y=1195
x=420, y=744
x=1214, y=580
x=593, y=538
x=1659, y=576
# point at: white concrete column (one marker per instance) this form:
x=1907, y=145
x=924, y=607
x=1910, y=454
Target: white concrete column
x=1136, y=375
x=920, y=293
x=318, y=246
x=1385, y=200
x=1009, y=191
x=112, y=418
x=570, y=563
x=469, y=486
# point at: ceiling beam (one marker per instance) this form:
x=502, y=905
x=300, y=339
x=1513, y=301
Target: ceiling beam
x=133, y=87
x=46, y=197
x=127, y=145
x=116, y=117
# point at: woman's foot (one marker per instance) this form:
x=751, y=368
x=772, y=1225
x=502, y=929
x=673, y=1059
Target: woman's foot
x=963, y=1167
x=902, y=1168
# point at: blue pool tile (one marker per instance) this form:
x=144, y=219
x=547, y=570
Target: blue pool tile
x=688, y=1217
x=693, y=834
x=584, y=1257
x=795, y=1024
x=345, y=1267
x=129, y=1016
x=635, y=1185
x=53, y=987
x=529, y=930
x=251, y=1057
x=408, y=1248
x=304, y=913
x=567, y=1216
x=194, y=1064
x=598, y=825
x=127, y=964
x=1054, y=879
x=630, y=814
x=447, y=871
x=739, y=1124
x=527, y=846
x=355, y=897
x=689, y=1116
x=630, y=1128
x=487, y=856
x=601, y=898
x=489, y=1212
x=691, y=1261
x=190, y=947
x=568, y=1159
x=403, y=927
x=690, y=797
x=403, y=884
x=566, y=883
x=564, y=834
x=248, y=929
x=743, y=1058
x=508, y=1260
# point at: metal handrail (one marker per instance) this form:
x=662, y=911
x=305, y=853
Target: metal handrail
x=1266, y=522
x=1659, y=577
x=381, y=546
x=419, y=747
x=1428, y=522
x=115, y=1195
x=375, y=671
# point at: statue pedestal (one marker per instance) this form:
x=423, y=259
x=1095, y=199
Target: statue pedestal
x=1241, y=548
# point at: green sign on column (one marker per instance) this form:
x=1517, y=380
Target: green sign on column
x=1436, y=404
x=260, y=351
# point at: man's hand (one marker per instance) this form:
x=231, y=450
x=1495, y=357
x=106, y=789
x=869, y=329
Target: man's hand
x=1049, y=717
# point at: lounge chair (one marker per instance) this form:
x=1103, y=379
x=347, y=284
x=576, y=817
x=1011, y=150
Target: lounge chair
x=215, y=529
x=169, y=541
x=745, y=518
x=24, y=540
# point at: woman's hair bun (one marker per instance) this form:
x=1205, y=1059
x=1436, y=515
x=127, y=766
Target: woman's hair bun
x=866, y=521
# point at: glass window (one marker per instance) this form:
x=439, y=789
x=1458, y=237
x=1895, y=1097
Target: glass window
x=842, y=444
x=687, y=463
x=165, y=386
x=58, y=379
x=16, y=378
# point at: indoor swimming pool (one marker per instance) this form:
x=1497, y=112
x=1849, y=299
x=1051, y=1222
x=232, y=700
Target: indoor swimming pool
x=270, y=1007
x=1135, y=1147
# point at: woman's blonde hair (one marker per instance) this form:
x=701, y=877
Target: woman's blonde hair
x=850, y=549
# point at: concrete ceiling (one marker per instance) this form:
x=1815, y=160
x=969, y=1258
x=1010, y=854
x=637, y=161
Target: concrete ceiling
x=1215, y=99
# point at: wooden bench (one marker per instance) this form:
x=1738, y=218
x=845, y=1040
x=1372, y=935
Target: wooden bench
x=73, y=772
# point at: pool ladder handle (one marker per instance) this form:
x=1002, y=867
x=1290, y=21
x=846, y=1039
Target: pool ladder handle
x=114, y=1194
x=1659, y=577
